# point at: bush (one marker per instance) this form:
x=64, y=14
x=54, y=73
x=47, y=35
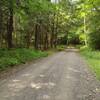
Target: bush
x=61, y=47
x=94, y=40
x=13, y=57
x=93, y=59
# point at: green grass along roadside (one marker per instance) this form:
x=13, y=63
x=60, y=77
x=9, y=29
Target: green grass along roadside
x=93, y=59
x=10, y=58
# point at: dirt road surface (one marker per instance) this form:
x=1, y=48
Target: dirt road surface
x=62, y=76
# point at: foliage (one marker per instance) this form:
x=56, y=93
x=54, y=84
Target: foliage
x=61, y=47
x=40, y=23
x=93, y=58
x=13, y=57
x=31, y=23
x=73, y=39
x=43, y=25
x=90, y=13
x=94, y=40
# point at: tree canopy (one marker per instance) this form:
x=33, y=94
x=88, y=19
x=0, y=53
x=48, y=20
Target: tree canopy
x=44, y=24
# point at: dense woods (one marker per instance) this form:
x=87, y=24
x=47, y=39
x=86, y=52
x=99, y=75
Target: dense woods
x=30, y=23
x=44, y=24
x=33, y=29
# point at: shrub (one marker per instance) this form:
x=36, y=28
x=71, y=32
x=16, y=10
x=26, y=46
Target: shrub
x=94, y=40
x=13, y=57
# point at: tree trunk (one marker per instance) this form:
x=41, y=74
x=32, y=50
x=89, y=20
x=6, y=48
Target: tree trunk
x=52, y=35
x=36, y=37
x=10, y=28
x=0, y=27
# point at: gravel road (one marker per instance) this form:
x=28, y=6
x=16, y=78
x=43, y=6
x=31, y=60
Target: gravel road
x=61, y=76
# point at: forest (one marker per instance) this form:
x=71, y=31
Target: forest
x=29, y=28
x=44, y=24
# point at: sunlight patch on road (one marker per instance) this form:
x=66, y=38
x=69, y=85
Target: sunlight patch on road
x=42, y=75
x=41, y=85
x=16, y=80
x=36, y=86
x=24, y=75
x=16, y=86
x=74, y=70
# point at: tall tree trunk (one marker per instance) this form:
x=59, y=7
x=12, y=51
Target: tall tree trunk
x=0, y=27
x=36, y=37
x=28, y=39
x=56, y=32
x=52, y=35
x=53, y=32
x=10, y=27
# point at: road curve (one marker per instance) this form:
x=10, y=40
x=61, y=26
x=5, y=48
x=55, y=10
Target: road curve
x=62, y=76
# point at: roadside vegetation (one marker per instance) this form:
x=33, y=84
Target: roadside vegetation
x=93, y=59
x=47, y=25
x=9, y=58
x=61, y=47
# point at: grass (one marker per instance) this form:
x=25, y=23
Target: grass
x=61, y=47
x=9, y=58
x=93, y=59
